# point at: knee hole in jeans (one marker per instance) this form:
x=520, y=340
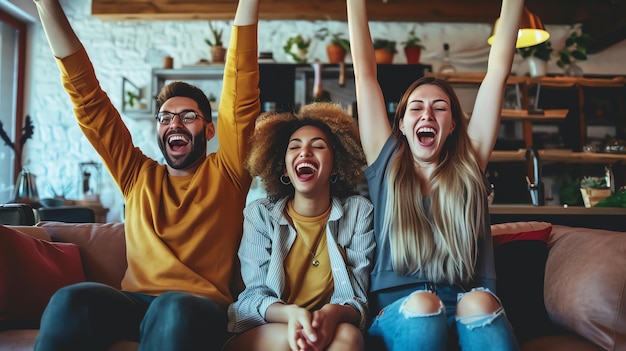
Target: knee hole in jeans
x=477, y=302
x=421, y=303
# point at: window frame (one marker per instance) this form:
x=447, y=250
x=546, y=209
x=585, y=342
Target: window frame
x=19, y=81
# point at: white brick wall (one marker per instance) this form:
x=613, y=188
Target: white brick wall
x=132, y=49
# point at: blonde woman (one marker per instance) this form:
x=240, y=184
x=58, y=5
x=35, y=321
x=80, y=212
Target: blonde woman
x=306, y=249
x=433, y=281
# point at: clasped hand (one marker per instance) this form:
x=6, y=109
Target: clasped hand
x=310, y=331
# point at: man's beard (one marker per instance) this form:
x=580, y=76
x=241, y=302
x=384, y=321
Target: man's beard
x=197, y=153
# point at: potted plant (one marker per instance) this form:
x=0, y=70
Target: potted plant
x=413, y=47
x=297, y=48
x=384, y=50
x=575, y=49
x=218, y=52
x=131, y=99
x=338, y=46
x=593, y=190
x=537, y=57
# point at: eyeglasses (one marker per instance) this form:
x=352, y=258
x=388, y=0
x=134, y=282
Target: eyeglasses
x=186, y=117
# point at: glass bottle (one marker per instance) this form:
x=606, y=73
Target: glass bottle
x=447, y=66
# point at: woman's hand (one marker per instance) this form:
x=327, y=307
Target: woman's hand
x=325, y=322
x=300, y=332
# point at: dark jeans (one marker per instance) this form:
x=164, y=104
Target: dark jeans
x=93, y=316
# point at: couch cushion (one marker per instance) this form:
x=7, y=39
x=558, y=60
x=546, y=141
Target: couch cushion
x=102, y=248
x=520, y=253
x=586, y=284
x=31, y=270
x=35, y=232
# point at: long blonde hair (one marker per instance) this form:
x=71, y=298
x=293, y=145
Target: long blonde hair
x=440, y=240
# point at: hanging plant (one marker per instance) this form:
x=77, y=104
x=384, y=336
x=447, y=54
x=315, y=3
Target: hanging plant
x=575, y=48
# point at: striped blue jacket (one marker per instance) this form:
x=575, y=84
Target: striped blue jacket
x=267, y=239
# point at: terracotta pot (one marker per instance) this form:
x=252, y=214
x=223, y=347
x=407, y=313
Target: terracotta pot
x=383, y=56
x=336, y=53
x=413, y=54
x=218, y=54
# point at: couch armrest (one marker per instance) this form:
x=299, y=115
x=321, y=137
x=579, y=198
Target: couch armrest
x=102, y=248
x=585, y=284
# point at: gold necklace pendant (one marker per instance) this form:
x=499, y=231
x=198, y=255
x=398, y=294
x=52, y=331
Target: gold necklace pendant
x=315, y=263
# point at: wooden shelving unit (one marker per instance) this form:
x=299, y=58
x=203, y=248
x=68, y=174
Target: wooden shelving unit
x=548, y=115
x=558, y=155
x=572, y=119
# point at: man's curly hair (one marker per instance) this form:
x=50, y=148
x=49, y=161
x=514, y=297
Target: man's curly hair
x=271, y=137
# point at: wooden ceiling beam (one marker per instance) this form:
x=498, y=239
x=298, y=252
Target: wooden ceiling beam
x=481, y=11
x=604, y=20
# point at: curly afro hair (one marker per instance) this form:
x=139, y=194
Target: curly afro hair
x=271, y=137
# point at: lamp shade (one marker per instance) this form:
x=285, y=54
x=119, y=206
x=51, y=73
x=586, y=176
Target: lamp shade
x=531, y=31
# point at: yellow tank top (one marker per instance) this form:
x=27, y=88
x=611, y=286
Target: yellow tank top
x=309, y=279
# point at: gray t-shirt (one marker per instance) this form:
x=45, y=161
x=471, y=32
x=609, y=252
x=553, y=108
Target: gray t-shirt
x=382, y=275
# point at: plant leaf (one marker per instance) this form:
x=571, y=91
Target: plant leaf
x=580, y=56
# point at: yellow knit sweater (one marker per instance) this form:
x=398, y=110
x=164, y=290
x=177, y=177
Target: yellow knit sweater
x=182, y=233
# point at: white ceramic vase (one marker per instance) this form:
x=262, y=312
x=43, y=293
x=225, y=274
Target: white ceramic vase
x=537, y=67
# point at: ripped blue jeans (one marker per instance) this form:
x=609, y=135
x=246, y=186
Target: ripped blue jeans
x=396, y=328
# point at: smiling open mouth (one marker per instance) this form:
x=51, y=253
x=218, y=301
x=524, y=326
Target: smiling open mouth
x=177, y=142
x=426, y=135
x=305, y=168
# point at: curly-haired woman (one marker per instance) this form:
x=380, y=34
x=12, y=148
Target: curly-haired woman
x=307, y=248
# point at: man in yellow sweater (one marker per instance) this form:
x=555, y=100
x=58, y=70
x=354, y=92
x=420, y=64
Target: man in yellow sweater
x=183, y=219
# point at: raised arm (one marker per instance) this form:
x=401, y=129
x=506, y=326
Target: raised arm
x=61, y=37
x=485, y=121
x=239, y=101
x=373, y=123
x=247, y=13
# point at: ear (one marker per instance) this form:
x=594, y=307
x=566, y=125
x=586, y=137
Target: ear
x=401, y=125
x=209, y=131
x=452, y=126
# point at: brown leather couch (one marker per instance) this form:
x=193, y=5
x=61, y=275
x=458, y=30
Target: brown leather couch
x=584, y=290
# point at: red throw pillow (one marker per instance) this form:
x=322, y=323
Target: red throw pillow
x=31, y=270
x=506, y=232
